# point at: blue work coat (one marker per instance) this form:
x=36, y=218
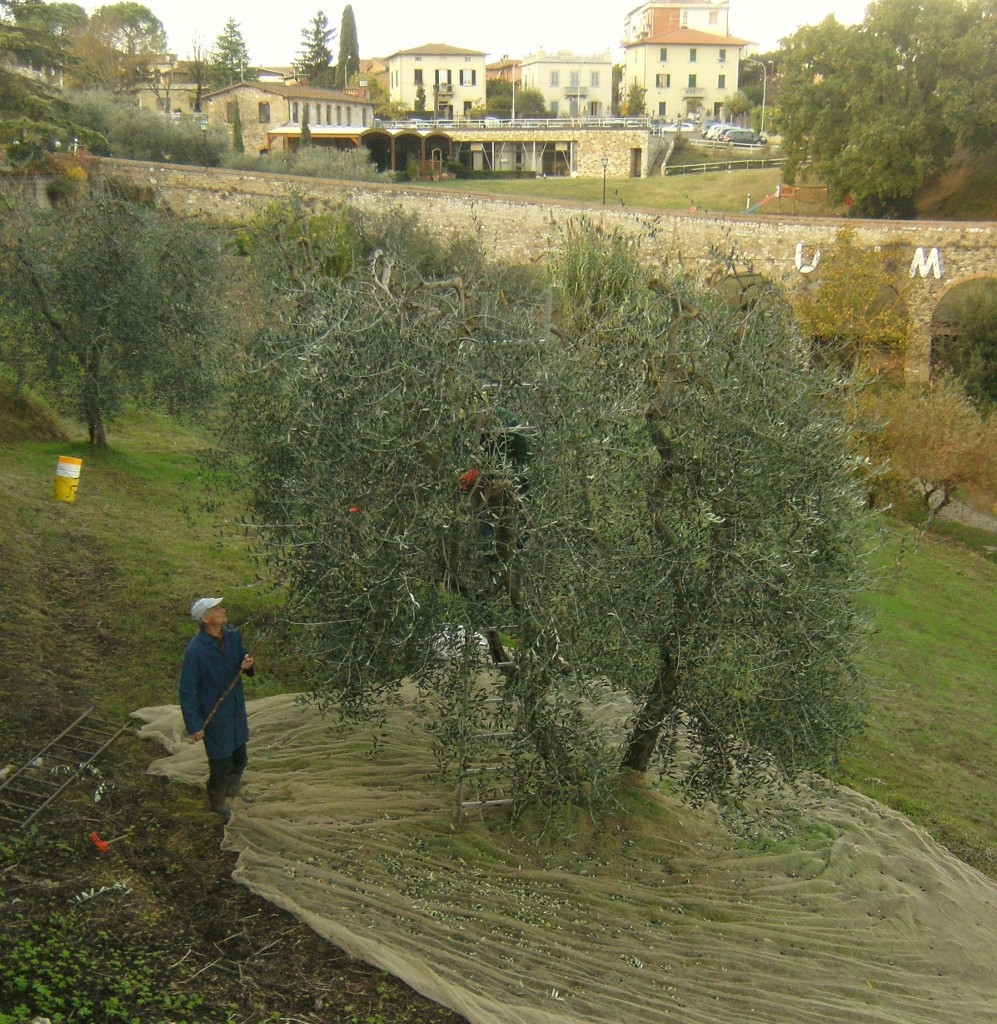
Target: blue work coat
x=206, y=674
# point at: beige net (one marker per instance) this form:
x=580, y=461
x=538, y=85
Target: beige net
x=860, y=917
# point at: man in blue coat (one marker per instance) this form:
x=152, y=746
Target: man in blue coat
x=213, y=701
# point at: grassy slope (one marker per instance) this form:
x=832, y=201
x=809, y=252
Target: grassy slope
x=928, y=749
x=967, y=190
x=93, y=610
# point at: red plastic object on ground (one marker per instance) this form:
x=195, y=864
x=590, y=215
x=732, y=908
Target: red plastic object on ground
x=98, y=842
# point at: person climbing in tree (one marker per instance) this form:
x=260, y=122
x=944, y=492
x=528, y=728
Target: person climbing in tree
x=493, y=493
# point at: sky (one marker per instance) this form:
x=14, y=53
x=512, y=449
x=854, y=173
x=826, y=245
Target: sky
x=272, y=31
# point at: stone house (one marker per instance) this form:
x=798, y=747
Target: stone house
x=272, y=115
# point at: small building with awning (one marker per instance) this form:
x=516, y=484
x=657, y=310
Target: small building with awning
x=272, y=114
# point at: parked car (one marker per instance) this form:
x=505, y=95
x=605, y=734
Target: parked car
x=743, y=137
x=678, y=126
x=714, y=130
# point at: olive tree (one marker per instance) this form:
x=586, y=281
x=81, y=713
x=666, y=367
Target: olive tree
x=639, y=500
x=123, y=298
x=723, y=519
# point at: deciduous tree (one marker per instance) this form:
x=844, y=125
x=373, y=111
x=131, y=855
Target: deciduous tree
x=851, y=306
x=934, y=436
x=119, y=46
x=874, y=110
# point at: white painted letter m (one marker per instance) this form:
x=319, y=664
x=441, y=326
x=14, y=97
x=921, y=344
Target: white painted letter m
x=922, y=266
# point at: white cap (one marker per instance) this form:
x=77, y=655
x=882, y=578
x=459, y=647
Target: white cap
x=203, y=605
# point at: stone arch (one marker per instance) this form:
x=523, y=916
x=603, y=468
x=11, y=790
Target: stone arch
x=955, y=319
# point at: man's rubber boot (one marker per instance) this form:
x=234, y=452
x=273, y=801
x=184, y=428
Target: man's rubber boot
x=233, y=787
x=217, y=801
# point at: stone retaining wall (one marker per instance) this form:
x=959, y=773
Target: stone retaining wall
x=929, y=256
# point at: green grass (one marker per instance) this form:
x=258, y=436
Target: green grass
x=122, y=563
x=929, y=746
x=712, y=193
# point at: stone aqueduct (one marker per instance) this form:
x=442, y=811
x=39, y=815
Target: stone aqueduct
x=928, y=257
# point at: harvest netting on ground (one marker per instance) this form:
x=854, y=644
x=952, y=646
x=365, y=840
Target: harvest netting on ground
x=856, y=915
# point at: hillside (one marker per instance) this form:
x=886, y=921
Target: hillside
x=966, y=190
x=93, y=608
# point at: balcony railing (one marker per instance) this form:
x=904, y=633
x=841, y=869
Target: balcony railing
x=694, y=91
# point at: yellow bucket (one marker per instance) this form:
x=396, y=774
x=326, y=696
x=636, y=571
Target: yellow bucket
x=67, y=477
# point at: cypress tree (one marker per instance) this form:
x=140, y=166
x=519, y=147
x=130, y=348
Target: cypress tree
x=349, y=48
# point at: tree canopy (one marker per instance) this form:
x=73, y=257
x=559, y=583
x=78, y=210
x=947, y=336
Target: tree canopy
x=33, y=114
x=149, y=331
x=348, y=61
x=119, y=45
x=315, y=57
x=611, y=476
x=229, y=61
x=874, y=110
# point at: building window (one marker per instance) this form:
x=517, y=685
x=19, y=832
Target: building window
x=692, y=55
x=349, y=115
x=594, y=79
x=721, y=81
x=474, y=77
x=418, y=76
x=692, y=81
x=662, y=81
x=365, y=117
x=713, y=18
x=555, y=78
x=661, y=110
x=723, y=54
x=663, y=54
x=339, y=114
x=264, y=113
x=294, y=113
x=553, y=108
x=328, y=113
x=230, y=109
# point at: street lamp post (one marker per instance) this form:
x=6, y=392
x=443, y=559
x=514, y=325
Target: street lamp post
x=765, y=80
x=605, y=164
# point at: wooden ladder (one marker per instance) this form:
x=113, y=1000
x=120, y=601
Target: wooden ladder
x=26, y=792
x=474, y=775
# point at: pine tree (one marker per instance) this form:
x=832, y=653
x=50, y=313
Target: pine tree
x=315, y=58
x=349, y=48
x=230, y=58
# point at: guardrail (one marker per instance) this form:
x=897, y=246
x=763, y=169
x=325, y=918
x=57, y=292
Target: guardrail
x=726, y=165
x=645, y=123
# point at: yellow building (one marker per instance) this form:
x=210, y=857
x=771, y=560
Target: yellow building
x=451, y=80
